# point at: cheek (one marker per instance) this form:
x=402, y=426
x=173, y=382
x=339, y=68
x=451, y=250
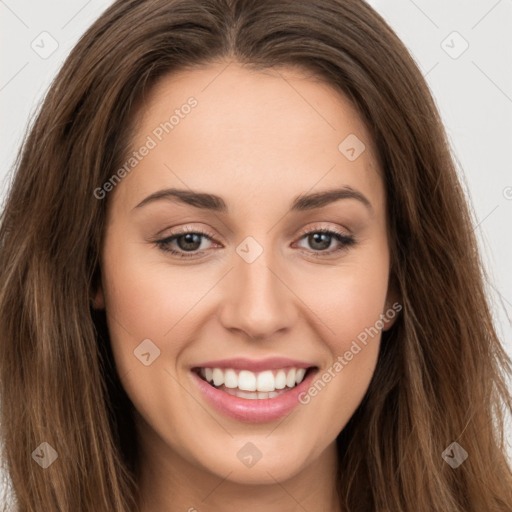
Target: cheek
x=350, y=299
x=140, y=303
x=140, y=288
x=350, y=302
x=144, y=302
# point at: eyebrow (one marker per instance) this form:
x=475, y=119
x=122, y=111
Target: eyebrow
x=215, y=203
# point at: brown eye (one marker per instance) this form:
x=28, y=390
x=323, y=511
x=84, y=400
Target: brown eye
x=320, y=239
x=189, y=241
x=186, y=243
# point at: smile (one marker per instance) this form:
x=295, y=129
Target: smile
x=251, y=385
x=242, y=392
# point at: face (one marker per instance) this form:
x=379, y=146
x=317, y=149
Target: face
x=263, y=284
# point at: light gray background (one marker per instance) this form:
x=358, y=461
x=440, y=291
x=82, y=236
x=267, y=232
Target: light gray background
x=473, y=91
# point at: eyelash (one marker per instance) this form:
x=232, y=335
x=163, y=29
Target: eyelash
x=345, y=240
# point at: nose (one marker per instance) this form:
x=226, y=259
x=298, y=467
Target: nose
x=257, y=298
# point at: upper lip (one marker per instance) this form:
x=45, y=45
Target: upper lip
x=242, y=363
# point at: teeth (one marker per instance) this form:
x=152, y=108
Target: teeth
x=247, y=381
x=290, y=378
x=299, y=375
x=252, y=396
x=280, y=380
x=218, y=377
x=230, y=379
x=265, y=381
x=261, y=385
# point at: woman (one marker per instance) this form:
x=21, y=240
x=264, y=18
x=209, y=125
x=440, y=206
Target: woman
x=238, y=272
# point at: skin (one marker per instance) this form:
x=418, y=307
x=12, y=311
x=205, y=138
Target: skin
x=258, y=139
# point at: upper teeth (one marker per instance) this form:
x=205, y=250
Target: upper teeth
x=268, y=380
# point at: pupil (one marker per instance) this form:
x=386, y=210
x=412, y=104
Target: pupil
x=322, y=238
x=190, y=239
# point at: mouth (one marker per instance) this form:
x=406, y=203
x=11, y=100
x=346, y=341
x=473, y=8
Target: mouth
x=267, y=384
x=253, y=396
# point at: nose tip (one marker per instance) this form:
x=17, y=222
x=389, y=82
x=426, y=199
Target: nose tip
x=257, y=302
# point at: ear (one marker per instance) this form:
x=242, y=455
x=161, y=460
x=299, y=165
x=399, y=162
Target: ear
x=392, y=307
x=98, y=301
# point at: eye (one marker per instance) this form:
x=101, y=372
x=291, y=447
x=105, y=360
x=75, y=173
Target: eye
x=320, y=239
x=189, y=242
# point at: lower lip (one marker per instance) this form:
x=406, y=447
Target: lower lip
x=254, y=411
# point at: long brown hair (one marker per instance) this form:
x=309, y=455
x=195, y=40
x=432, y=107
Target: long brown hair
x=441, y=373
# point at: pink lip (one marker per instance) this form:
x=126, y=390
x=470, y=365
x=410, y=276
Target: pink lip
x=254, y=411
x=240, y=363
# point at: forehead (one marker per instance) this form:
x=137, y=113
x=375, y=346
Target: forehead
x=250, y=130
